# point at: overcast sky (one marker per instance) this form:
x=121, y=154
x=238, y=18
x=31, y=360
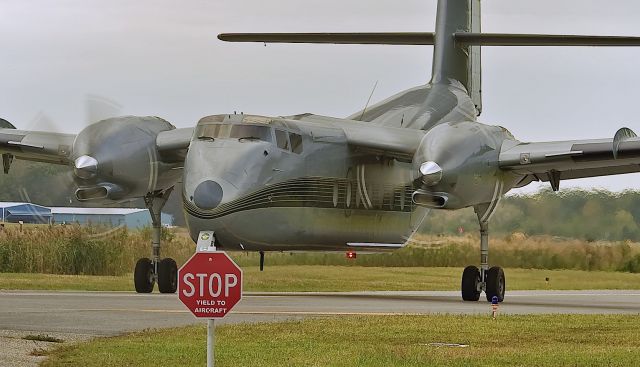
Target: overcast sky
x=162, y=57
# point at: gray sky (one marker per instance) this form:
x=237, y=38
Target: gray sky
x=162, y=58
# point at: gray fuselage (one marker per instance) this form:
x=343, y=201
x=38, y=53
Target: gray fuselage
x=284, y=184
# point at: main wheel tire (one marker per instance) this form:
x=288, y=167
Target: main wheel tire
x=167, y=276
x=496, y=284
x=143, y=276
x=470, y=280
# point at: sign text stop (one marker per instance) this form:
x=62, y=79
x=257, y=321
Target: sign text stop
x=210, y=284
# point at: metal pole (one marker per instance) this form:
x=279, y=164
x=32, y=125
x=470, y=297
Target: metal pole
x=261, y=260
x=484, y=252
x=211, y=338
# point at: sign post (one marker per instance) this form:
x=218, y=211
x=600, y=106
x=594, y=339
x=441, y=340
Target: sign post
x=209, y=285
x=211, y=340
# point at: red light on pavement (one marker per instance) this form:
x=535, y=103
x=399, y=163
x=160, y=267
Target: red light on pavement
x=351, y=255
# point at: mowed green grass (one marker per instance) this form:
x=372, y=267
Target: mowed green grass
x=308, y=278
x=532, y=340
x=55, y=282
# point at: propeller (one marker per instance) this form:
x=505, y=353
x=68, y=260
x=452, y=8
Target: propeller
x=96, y=108
x=456, y=165
x=42, y=122
x=99, y=108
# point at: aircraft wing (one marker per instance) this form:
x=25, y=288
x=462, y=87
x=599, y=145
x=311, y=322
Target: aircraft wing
x=174, y=144
x=56, y=148
x=386, y=141
x=37, y=146
x=564, y=160
x=373, y=138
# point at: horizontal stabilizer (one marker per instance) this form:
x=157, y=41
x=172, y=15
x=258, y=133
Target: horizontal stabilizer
x=503, y=39
x=428, y=38
x=395, y=38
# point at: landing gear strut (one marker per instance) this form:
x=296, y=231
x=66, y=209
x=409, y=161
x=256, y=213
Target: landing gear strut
x=149, y=271
x=490, y=280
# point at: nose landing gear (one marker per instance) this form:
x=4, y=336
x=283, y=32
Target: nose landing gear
x=149, y=271
x=490, y=280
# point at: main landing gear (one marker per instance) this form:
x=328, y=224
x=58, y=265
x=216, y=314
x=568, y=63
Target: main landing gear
x=490, y=280
x=149, y=271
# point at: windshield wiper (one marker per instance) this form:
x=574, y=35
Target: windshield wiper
x=249, y=138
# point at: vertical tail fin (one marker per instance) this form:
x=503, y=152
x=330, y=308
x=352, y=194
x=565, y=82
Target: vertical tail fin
x=450, y=61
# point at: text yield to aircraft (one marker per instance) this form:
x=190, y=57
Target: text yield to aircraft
x=317, y=183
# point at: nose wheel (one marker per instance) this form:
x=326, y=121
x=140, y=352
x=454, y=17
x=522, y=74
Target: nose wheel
x=471, y=283
x=495, y=284
x=167, y=275
x=145, y=276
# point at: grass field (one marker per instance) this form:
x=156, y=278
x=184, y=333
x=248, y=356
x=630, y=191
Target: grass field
x=541, y=340
x=303, y=278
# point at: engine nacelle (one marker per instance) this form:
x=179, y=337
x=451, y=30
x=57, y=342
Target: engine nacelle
x=118, y=159
x=451, y=165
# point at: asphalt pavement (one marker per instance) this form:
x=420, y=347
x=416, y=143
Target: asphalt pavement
x=112, y=313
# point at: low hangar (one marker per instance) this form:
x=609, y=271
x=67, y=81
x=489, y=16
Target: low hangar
x=135, y=218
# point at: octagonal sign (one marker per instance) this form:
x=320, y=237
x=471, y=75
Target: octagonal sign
x=210, y=284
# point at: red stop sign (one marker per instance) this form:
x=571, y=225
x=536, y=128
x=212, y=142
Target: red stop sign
x=210, y=284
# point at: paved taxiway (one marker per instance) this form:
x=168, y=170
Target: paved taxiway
x=110, y=313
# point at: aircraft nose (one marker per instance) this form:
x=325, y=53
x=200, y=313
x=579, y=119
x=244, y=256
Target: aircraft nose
x=208, y=195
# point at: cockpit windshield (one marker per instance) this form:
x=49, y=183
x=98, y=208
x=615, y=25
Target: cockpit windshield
x=235, y=131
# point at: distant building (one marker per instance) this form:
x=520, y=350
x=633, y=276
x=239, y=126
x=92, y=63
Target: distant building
x=113, y=217
x=25, y=212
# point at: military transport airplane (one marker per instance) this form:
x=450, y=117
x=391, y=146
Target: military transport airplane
x=318, y=183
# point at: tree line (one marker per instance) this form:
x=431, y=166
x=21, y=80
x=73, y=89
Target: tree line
x=588, y=215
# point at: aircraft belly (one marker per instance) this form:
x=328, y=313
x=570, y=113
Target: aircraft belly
x=305, y=228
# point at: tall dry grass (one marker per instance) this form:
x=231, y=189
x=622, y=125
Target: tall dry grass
x=81, y=250
x=94, y=251
x=514, y=251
